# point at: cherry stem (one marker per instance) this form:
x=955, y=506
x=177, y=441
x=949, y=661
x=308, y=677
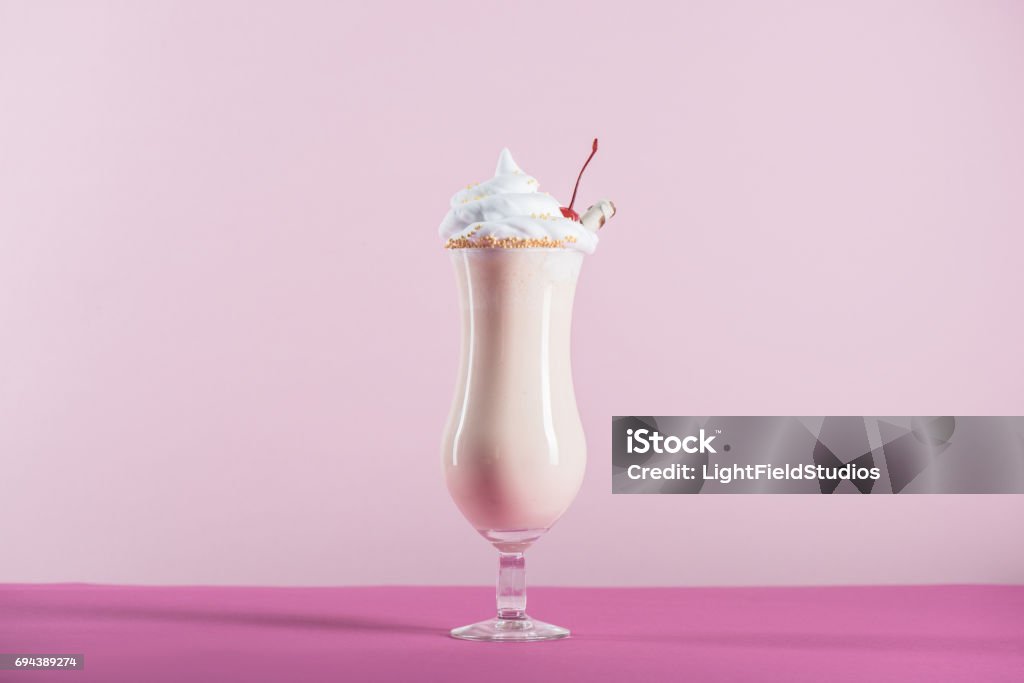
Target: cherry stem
x=576, y=189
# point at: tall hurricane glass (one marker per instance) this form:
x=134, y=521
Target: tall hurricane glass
x=513, y=449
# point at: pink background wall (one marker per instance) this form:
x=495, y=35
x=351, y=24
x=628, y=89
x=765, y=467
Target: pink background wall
x=228, y=332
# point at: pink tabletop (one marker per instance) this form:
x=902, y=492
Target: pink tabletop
x=938, y=633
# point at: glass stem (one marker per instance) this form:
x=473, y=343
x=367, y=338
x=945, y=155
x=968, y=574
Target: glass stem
x=511, y=586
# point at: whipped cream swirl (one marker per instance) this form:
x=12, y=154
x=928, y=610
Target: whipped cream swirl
x=509, y=211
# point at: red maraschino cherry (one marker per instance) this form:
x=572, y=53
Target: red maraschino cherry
x=567, y=211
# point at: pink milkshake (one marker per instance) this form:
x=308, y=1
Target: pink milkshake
x=513, y=450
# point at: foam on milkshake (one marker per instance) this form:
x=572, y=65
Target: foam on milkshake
x=509, y=212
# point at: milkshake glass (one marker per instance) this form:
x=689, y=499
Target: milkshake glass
x=513, y=450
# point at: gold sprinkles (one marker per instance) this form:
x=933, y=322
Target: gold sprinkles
x=492, y=242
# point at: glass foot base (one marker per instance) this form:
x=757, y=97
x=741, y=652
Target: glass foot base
x=510, y=630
